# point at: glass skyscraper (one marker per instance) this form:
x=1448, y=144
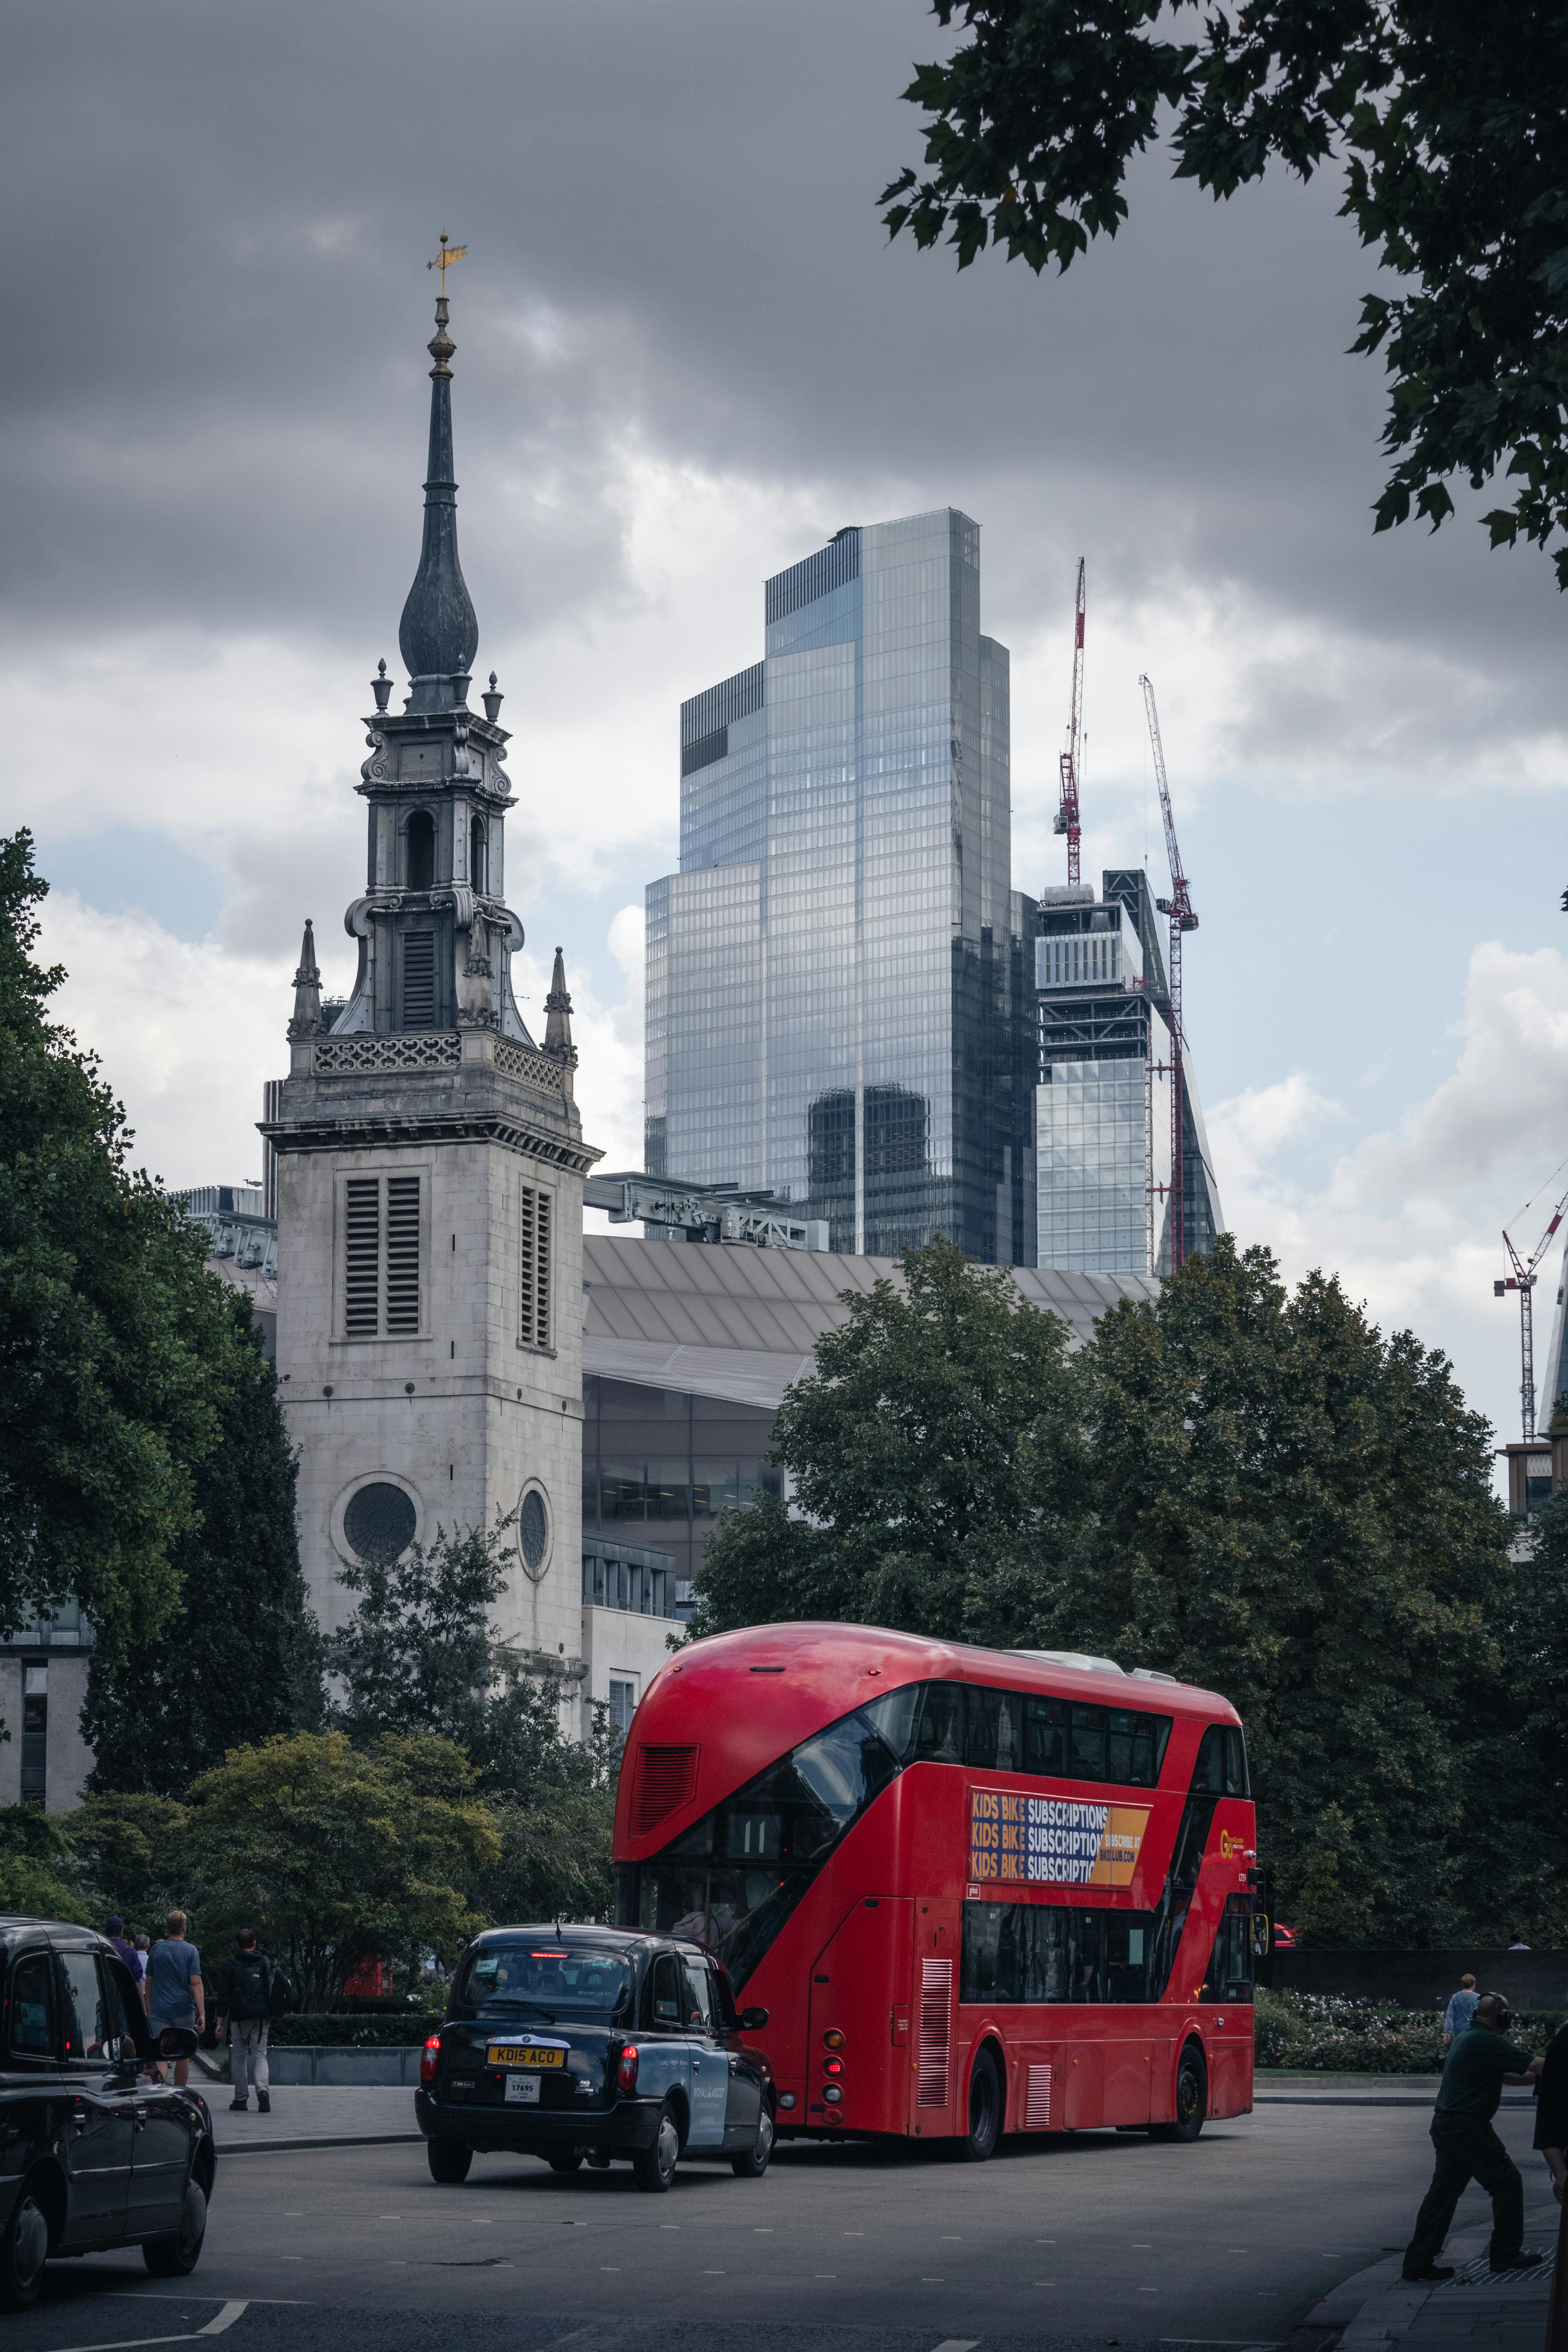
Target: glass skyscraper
x=840, y=988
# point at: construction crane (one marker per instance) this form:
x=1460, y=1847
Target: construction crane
x=1179, y=908
x=1523, y=1279
x=1067, y=815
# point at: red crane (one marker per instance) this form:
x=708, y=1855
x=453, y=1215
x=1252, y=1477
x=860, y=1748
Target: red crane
x=1179, y=906
x=1067, y=815
x=1523, y=1279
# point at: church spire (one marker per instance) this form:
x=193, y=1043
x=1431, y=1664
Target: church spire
x=306, y=1021
x=438, y=632
x=558, y=1019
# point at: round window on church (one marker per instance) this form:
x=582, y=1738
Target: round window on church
x=379, y=1522
x=534, y=1532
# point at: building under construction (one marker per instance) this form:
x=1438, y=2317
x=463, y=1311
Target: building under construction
x=1104, y=1155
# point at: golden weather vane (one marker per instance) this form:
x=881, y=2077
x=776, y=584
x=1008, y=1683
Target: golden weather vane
x=445, y=259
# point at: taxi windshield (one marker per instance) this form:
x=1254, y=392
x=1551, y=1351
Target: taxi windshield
x=546, y=1977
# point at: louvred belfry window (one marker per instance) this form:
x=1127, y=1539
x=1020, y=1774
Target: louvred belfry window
x=535, y=1238
x=381, y=1257
x=419, y=979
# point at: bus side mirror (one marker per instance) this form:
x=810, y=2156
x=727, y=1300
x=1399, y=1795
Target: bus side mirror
x=754, y=2020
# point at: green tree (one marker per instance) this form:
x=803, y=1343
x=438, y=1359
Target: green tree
x=131, y=1853
x=35, y=1866
x=1295, y=1511
x=241, y=1658
x=419, y=1657
x=937, y=1447
x=115, y=1351
x=338, y=1855
x=1446, y=121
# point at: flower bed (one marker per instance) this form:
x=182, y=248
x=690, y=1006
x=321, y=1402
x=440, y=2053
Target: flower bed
x=1328, y=2032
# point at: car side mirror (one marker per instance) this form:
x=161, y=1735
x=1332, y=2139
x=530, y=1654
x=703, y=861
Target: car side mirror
x=754, y=2020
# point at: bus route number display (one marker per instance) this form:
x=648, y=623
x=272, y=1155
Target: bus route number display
x=1052, y=1841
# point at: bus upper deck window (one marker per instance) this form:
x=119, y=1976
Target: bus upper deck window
x=1221, y=1767
x=940, y=1737
x=895, y=1715
x=995, y=1737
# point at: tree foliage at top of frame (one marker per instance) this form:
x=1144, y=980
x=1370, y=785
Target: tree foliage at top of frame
x=1448, y=120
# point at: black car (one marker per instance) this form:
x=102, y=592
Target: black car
x=95, y=2153
x=593, y=2042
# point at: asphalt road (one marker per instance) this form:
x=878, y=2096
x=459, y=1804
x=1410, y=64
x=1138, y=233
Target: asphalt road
x=859, y=2249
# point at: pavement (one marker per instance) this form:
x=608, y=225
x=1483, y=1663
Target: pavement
x=1280, y=2231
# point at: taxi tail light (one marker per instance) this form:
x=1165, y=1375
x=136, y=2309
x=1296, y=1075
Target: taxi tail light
x=627, y=2068
x=429, y=2058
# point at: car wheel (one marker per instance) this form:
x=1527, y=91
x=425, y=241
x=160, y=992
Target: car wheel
x=177, y=2257
x=449, y=2160
x=565, y=2163
x=754, y=2163
x=653, y=2168
x=984, y=2110
x=1192, y=2098
x=23, y=2253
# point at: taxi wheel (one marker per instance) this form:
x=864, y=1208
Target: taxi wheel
x=653, y=2168
x=754, y=2163
x=23, y=2253
x=177, y=2257
x=1192, y=2099
x=449, y=2160
x=568, y=2162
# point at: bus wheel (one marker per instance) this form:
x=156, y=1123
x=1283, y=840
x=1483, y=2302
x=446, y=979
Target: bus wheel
x=1192, y=2098
x=984, y=2110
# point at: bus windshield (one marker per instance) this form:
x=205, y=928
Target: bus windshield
x=545, y=1977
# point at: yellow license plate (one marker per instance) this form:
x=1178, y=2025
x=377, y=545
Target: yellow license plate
x=523, y=2053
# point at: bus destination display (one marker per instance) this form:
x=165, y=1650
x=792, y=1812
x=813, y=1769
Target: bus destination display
x=1053, y=1841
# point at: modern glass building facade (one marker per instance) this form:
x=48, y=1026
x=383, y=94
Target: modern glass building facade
x=1102, y=1115
x=658, y=1468
x=838, y=997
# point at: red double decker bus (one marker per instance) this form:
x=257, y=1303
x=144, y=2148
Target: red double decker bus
x=975, y=1891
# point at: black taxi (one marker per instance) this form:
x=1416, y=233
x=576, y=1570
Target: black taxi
x=595, y=2044
x=95, y=2152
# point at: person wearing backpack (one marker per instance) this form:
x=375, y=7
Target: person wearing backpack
x=250, y=1988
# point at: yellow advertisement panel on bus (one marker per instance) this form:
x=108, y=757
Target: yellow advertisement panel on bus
x=1053, y=1841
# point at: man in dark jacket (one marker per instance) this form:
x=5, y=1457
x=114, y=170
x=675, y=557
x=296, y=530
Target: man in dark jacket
x=1480, y=2060
x=243, y=2000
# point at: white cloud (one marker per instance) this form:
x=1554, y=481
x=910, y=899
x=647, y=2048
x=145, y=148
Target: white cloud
x=1410, y=1218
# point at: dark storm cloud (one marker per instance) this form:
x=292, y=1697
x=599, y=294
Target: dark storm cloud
x=215, y=412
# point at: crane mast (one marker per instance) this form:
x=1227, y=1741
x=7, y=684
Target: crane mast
x=1179, y=908
x=1523, y=1279
x=1067, y=818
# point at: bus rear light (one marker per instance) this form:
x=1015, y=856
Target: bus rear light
x=429, y=2058
x=833, y=2040
x=627, y=2068
x=833, y=2094
x=833, y=2065
x=786, y=2098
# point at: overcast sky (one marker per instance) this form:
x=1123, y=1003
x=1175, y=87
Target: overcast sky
x=685, y=355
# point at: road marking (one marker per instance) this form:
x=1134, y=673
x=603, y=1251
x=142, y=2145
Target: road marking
x=218, y=2326
x=936, y=2282
x=959, y=2344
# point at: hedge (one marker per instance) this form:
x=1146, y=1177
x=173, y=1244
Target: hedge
x=1331, y=2033
x=331, y=2029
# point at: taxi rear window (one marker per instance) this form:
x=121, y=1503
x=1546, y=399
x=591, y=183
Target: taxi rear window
x=547, y=1977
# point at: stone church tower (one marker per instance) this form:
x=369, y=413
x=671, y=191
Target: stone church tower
x=430, y=1161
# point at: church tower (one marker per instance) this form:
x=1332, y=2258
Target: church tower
x=430, y=1161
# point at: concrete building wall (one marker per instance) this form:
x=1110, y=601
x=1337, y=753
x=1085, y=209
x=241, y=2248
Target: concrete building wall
x=468, y=1413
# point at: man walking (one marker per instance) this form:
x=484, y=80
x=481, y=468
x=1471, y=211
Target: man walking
x=114, y=1928
x=1481, y=2062
x=244, y=1998
x=1461, y=2009
x=172, y=1990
